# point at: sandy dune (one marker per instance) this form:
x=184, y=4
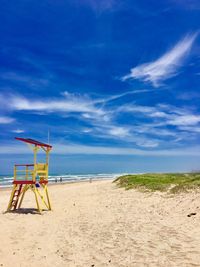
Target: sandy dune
x=96, y=224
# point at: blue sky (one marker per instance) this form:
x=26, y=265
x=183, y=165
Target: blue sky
x=115, y=82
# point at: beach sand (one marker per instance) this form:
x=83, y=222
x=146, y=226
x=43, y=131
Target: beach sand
x=97, y=224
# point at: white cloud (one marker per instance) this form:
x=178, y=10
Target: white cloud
x=118, y=131
x=164, y=114
x=147, y=143
x=126, y=133
x=5, y=120
x=86, y=130
x=187, y=119
x=164, y=67
x=69, y=103
x=18, y=131
x=103, y=150
x=154, y=129
x=106, y=150
x=104, y=120
x=132, y=108
x=194, y=129
x=188, y=95
x=19, y=77
x=116, y=97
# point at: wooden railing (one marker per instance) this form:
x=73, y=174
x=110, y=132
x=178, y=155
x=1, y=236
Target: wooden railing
x=24, y=172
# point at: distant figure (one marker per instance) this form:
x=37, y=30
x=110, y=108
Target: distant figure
x=56, y=180
x=61, y=179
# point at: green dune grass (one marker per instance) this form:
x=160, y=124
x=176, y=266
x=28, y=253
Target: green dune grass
x=172, y=182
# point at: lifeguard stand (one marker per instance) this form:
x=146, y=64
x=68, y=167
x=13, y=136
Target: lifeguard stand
x=31, y=176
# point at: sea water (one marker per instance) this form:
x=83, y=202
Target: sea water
x=6, y=180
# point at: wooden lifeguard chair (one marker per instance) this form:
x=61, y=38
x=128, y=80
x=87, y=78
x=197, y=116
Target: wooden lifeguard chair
x=31, y=176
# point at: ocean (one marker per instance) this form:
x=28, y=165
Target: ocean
x=6, y=180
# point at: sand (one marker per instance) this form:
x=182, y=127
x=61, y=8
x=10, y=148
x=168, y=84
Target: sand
x=97, y=224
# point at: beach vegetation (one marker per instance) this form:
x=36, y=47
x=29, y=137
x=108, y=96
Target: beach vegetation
x=171, y=182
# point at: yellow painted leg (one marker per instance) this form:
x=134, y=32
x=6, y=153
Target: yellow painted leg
x=47, y=194
x=36, y=199
x=22, y=195
x=11, y=197
x=42, y=198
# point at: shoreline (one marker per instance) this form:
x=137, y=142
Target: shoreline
x=8, y=188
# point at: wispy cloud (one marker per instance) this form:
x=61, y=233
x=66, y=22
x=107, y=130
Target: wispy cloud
x=103, y=121
x=119, y=131
x=188, y=95
x=5, y=120
x=187, y=119
x=116, y=97
x=104, y=150
x=81, y=149
x=164, y=114
x=195, y=129
x=126, y=133
x=68, y=103
x=164, y=67
x=101, y=118
x=18, y=131
x=21, y=78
